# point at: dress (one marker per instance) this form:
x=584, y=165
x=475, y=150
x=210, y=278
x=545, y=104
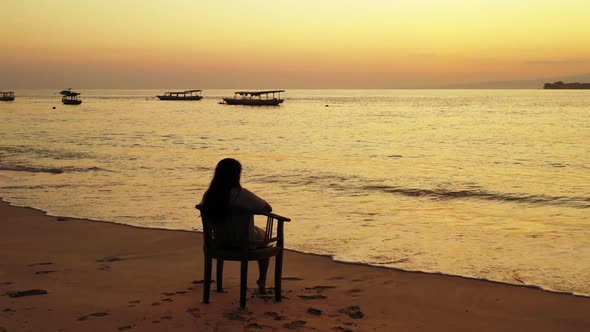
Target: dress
x=245, y=199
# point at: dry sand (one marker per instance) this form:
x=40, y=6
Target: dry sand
x=107, y=277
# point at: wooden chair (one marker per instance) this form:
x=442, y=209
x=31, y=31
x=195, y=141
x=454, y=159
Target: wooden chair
x=233, y=244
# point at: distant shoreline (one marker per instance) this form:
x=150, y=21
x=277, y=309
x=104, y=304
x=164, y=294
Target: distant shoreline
x=571, y=86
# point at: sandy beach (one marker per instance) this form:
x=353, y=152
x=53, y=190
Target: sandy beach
x=65, y=274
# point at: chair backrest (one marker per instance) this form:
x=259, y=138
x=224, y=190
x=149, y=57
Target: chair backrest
x=231, y=233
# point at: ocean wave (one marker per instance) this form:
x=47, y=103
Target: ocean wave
x=33, y=169
x=575, y=202
x=19, y=150
x=356, y=186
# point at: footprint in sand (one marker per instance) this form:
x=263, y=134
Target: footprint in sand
x=237, y=314
x=353, y=312
x=126, y=327
x=198, y=282
x=254, y=326
x=42, y=263
x=44, y=272
x=95, y=314
x=296, y=324
x=342, y=329
x=274, y=315
x=168, y=294
x=195, y=312
x=109, y=259
x=314, y=311
x=335, y=278
x=134, y=302
x=166, y=300
x=319, y=288
x=30, y=292
x=166, y=317
x=292, y=278
x=312, y=297
x=104, y=267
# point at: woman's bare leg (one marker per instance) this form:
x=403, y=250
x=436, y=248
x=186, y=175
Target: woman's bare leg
x=262, y=264
x=262, y=269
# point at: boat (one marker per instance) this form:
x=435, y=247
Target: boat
x=182, y=95
x=70, y=97
x=255, y=98
x=6, y=96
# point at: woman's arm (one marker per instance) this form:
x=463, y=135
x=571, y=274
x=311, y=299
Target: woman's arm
x=267, y=208
x=248, y=200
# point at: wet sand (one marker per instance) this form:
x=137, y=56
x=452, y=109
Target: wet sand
x=66, y=274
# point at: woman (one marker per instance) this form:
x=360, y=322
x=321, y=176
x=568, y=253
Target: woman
x=224, y=193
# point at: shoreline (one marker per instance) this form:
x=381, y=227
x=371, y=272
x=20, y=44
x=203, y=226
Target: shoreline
x=114, y=277
x=331, y=257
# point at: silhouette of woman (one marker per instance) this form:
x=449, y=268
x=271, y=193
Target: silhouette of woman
x=225, y=192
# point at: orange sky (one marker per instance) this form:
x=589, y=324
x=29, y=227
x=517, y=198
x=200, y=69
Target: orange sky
x=289, y=44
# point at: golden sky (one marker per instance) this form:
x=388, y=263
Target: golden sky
x=289, y=44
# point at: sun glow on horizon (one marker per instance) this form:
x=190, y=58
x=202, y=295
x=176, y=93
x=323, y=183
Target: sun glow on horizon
x=291, y=43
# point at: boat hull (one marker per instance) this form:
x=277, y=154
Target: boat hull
x=6, y=98
x=253, y=102
x=180, y=98
x=72, y=102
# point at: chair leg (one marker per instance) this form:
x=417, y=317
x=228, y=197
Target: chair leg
x=207, y=278
x=243, y=283
x=278, y=275
x=219, y=275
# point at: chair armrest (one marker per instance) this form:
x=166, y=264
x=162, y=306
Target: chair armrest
x=270, y=218
x=268, y=214
x=273, y=215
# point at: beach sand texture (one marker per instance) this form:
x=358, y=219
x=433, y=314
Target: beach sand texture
x=65, y=274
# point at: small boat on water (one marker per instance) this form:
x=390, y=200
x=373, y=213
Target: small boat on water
x=6, y=96
x=70, y=97
x=182, y=95
x=256, y=98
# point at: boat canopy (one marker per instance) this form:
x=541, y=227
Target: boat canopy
x=6, y=94
x=257, y=93
x=182, y=92
x=70, y=93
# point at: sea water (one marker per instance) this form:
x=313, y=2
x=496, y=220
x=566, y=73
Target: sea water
x=491, y=184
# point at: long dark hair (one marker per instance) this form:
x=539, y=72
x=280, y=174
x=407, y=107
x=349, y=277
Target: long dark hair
x=216, y=199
